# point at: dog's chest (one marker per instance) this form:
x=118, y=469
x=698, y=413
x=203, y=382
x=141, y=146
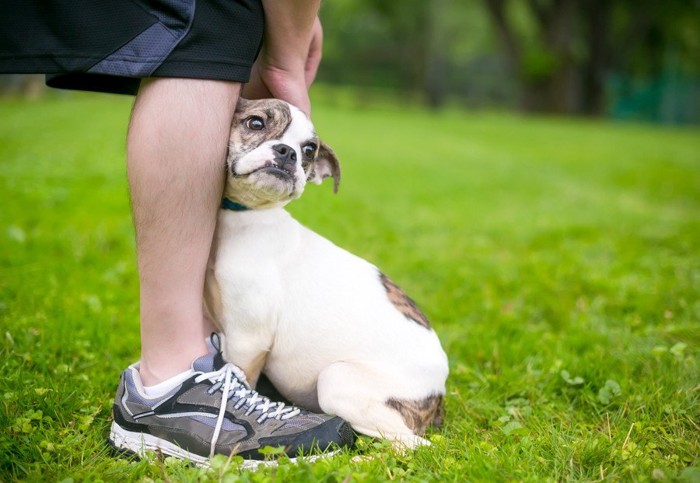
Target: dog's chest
x=264, y=262
x=272, y=270
x=256, y=238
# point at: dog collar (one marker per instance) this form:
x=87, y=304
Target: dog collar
x=227, y=204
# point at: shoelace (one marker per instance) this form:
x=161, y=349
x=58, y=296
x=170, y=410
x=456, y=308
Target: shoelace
x=232, y=382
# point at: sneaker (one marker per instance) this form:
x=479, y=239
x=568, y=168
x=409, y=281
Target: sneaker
x=214, y=411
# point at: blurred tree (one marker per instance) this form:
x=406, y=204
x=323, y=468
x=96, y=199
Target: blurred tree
x=561, y=51
x=399, y=45
x=408, y=26
x=541, y=63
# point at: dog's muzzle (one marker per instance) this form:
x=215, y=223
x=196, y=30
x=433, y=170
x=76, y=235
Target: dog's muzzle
x=285, y=158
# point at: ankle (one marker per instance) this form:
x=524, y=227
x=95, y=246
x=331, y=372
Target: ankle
x=155, y=374
x=168, y=358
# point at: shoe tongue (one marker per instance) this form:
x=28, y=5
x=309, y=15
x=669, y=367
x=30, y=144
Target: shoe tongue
x=214, y=360
x=204, y=363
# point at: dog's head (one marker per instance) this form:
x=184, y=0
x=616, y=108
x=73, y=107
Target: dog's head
x=273, y=151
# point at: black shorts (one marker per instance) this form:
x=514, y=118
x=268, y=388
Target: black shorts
x=110, y=45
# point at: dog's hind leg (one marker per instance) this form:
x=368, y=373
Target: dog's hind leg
x=350, y=391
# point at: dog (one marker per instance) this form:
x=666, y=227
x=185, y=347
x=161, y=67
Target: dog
x=329, y=330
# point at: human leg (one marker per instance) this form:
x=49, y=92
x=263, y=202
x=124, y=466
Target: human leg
x=176, y=149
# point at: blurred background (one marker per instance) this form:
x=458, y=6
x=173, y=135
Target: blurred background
x=620, y=59
x=636, y=59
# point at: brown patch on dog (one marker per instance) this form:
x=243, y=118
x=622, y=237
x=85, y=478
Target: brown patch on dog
x=420, y=414
x=273, y=112
x=403, y=302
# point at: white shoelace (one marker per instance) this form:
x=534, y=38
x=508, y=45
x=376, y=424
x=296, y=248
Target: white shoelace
x=232, y=382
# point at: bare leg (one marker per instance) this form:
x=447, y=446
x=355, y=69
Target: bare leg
x=176, y=149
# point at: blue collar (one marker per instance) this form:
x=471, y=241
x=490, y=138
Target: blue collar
x=227, y=204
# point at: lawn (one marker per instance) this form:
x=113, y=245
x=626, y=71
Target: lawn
x=557, y=259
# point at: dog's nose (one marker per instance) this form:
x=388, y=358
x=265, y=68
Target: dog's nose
x=284, y=154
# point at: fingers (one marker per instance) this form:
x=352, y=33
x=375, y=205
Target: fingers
x=313, y=59
x=287, y=80
x=269, y=81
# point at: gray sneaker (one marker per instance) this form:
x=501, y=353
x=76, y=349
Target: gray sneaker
x=215, y=412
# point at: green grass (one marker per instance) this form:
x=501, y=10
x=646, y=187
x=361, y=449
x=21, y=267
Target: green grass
x=557, y=259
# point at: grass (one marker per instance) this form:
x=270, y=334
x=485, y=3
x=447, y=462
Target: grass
x=557, y=259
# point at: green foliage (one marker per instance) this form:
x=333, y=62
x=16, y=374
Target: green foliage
x=412, y=48
x=542, y=56
x=556, y=259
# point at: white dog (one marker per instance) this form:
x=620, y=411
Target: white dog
x=329, y=330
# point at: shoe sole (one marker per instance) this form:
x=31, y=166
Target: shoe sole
x=138, y=444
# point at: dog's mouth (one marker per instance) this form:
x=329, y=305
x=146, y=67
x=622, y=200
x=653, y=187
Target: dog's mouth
x=281, y=172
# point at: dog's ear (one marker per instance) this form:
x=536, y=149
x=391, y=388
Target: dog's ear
x=325, y=165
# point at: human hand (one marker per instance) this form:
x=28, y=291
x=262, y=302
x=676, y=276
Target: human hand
x=287, y=77
x=313, y=59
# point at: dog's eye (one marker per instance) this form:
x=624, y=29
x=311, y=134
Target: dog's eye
x=256, y=123
x=309, y=150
